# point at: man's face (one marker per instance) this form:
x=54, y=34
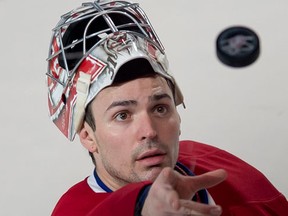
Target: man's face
x=137, y=131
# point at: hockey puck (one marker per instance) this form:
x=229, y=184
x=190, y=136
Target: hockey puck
x=238, y=46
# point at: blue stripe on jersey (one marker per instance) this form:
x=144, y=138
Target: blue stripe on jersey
x=100, y=183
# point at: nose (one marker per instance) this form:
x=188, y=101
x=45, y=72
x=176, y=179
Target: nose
x=146, y=127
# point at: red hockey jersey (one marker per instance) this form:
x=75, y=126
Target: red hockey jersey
x=246, y=191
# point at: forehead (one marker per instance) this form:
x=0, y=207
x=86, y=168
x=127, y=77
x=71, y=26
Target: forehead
x=136, y=88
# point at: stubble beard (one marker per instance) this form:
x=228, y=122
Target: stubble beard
x=134, y=175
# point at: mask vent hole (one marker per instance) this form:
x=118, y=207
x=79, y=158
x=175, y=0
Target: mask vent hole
x=63, y=98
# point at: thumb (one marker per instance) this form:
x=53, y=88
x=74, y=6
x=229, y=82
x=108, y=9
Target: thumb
x=168, y=177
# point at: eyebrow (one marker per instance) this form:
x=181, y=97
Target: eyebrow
x=158, y=97
x=124, y=103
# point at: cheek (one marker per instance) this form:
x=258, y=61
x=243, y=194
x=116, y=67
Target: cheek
x=171, y=128
x=112, y=147
x=171, y=132
x=114, y=156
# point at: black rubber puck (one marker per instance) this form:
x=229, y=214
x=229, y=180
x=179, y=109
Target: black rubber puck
x=238, y=46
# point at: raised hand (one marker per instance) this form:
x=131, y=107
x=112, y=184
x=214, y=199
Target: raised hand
x=171, y=194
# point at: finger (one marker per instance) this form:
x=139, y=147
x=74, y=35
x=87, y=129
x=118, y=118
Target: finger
x=167, y=176
x=193, y=208
x=206, y=180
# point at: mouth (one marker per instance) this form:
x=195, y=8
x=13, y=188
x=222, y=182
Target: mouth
x=151, y=158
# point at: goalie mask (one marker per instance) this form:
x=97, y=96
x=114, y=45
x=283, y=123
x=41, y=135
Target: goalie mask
x=88, y=47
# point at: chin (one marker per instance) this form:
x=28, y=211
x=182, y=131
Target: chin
x=152, y=174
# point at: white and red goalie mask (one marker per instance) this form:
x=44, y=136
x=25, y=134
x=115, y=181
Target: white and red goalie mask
x=88, y=46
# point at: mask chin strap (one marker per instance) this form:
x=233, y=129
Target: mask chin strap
x=82, y=89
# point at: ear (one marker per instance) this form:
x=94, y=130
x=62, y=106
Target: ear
x=87, y=138
x=180, y=124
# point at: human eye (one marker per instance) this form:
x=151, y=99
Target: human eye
x=161, y=109
x=122, y=116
